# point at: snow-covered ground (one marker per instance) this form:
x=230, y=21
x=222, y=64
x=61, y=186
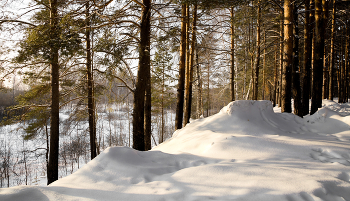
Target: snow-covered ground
x=245, y=152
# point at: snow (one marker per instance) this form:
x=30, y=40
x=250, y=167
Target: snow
x=245, y=152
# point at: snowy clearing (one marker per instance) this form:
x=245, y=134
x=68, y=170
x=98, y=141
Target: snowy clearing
x=245, y=152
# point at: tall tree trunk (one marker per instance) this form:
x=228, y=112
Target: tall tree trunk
x=199, y=87
x=52, y=171
x=346, y=68
x=281, y=59
x=264, y=70
x=342, y=73
x=307, y=59
x=232, y=73
x=296, y=71
x=148, y=113
x=182, y=68
x=288, y=57
x=331, y=65
x=325, y=69
x=316, y=101
x=188, y=72
x=91, y=109
x=275, y=80
x=257, y=58
x=142, y=78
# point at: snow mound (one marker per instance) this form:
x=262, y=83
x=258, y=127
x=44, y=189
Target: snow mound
x=245, y=152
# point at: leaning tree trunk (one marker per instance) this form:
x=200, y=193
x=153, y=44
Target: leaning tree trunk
x=288, y=54
x=316, y=101
x=182, y=68
x=52, y=171
x=142, y=78
x=307, y=59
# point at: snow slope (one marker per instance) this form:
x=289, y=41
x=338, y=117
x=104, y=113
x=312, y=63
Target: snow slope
x=245, y=152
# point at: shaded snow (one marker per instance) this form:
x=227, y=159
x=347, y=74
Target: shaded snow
x=245, y=152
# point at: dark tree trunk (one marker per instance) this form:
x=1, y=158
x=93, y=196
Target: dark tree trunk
x=316, y=101
x=296, y=71
x=52, y=171
x=275, y=80
x=257, y=58
x=142, y=78
x=148, y=113
x=232, y=73
x=281, y=59
x=91, y=109
x=288, y=57
x=325, y=69
x=307, y=59
x=188, y=92
x=182, y=68
x=331, y=65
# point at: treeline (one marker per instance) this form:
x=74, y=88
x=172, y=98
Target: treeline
x=190, y=56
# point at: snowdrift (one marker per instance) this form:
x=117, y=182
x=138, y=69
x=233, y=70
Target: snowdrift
x=245, y=152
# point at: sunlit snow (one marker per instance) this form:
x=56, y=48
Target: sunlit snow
x=245, y=152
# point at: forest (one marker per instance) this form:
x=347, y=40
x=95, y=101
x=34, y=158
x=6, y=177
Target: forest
x=78, y=76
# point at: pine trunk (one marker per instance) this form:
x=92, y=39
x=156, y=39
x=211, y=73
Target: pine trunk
x=52, y=171
x=91, y=110
x=331, y=65
x=316, y=101
x=188, y=92
x=257, y=58
x=307, y=59
x=288, y=57
x=142, y=78
x=296, y=75
x=232, y=73
x=182, y=68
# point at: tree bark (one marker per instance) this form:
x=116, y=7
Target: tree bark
x=281, y=59
x=316, y=101
x=296, y=70
x=325, y=69
x=182, y=68
x=257, y=58
x=232, y=73
x=307, y=59
x=188, y=92
x=91, y=109
x=288, y=57
x=142, y=78
x=52, y=171
x=331, y=65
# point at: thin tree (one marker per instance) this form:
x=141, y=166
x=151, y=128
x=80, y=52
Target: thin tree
x=232, y=73
x=257, y=56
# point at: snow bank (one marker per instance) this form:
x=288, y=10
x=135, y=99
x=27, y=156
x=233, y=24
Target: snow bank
x=245, y=152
